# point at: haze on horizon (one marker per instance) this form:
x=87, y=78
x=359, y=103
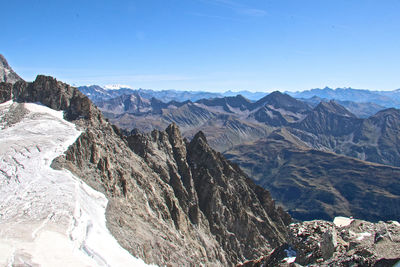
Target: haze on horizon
x=210, y=45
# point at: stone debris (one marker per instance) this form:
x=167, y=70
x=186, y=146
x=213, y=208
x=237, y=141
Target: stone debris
x=323, y=243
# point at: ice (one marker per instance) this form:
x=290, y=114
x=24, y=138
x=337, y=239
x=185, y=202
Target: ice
x=49, y=217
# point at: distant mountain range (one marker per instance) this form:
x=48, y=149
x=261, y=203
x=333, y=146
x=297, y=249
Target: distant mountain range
x=96, y=93
x=383, y=98
x=226, y=121
x=296, y=148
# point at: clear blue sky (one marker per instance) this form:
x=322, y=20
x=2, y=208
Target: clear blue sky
x=213, y=45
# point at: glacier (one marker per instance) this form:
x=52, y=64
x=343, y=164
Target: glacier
x=48, y=217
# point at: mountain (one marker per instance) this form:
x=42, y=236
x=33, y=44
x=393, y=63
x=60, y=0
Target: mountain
x=329, y=118
x=315, y=184
x=7, y=74
x=100, y=94
x=176, y=95
x=277, y=109
x=377, y=139
x=332, y=128
x=253, y=96
x=383, y=98
x=305, y=163
x=279, y=100
x=133, y=103
x=360, y=109
x=170, y=201
x=229, y=104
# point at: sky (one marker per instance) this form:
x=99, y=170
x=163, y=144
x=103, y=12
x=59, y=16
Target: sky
x=210, y=45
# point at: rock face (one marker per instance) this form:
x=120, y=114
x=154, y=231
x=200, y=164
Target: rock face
x=6, y=72
x=322, y=243
x=171, y=202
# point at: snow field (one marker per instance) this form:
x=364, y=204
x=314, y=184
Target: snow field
x=49, y=217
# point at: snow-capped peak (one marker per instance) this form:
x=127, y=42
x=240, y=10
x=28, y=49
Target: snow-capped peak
x=117, y=86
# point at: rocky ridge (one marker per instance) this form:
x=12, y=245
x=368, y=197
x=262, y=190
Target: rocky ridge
x=7, y=74
x=170, y=201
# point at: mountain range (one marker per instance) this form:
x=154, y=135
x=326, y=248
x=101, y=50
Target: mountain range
x=244, y=131
x=77, y=190
x=383, y=98
x=95, y=93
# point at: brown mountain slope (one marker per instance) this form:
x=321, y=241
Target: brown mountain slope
x=315, y=184
x=170, y=202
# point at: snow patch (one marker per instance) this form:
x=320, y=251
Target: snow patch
x=290, y=255
x=342, y=221
x=49, y=217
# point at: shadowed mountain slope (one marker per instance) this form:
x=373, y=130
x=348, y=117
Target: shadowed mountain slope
x=315, y=184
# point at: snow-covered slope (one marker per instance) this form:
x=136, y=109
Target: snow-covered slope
x=48, y=217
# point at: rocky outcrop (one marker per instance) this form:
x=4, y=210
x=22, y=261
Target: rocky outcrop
x=323, y=243
x=7, y=74
x=5, y=92
x=171, y=202
x=53, y=94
